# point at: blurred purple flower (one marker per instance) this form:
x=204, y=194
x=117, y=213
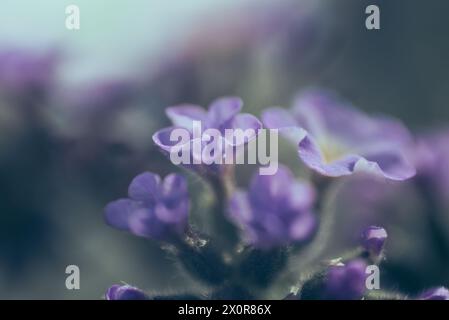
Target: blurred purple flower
x=346, y=282
x=431, y=157
x=106, y=95
x=335, y=139
x=26, y=72
x=439, y=293
x=223, y=114
x=373, y=239
x=155, y=209
x=125, y=292
x=276, y=211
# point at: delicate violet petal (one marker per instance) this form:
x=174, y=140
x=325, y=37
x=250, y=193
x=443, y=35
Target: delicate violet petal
x=174, y=187
x=184, y=115
x=174, y=206
x=119, y=212
x=222, y=111
x=111, y=293
x=276, y=117
x=438, y=293
x=176, y=215
x=144, y=223
x=281, y=119
x=125, y=292
x=311, y=155
x=162, y=139
x=144, y=187
x=303, y=227
x=389, y=165
x=247, y=123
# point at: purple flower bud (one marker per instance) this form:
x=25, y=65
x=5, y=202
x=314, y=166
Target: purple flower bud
x=155, y=209
x=125, y=292
x=276, y=211
x=439, y=293
x=346, y=282
x=373, y=239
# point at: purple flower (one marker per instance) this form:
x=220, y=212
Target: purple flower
x=125, y=292
x=155, y=209
x=223, y=114
x=439, y=293
x=335, y=139
x=373, y=239
x=276, y=211
x=346, y=282
x=21, y=71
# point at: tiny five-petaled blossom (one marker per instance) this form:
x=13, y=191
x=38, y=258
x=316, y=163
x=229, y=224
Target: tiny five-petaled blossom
x=155, y=209
x=439, y=293
x=223, y=114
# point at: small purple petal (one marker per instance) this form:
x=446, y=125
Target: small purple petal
x=162, y=139
x=222, y=111
x=303, y=227
x=144, y=187
x=184, y=115
x=144, y=223
x=311, y=155
x=439, y=293
x=118, y=213
x=125, y=292
x=390, y=165
x=276, y=117
x=245, y=122
x=281, y=119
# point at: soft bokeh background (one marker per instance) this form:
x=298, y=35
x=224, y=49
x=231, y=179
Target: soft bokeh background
x=72, y=138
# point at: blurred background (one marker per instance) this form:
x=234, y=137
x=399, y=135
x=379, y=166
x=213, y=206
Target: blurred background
x=78, y=108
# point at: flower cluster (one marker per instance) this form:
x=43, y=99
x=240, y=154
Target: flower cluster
x=155, y=209
x=256, y=232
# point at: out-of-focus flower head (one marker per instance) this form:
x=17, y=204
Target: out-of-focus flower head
x=105, y=95
x=439, y=293
x=23, y=72
x=155, y=209
x=275, y=211
x=346, y=282
x=223, y=114
x=334, y=139
x=125, y=292
x=373, y=239
x=431, y=157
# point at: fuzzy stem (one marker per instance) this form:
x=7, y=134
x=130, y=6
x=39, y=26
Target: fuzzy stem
x=325, y=207
x=222, y=187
